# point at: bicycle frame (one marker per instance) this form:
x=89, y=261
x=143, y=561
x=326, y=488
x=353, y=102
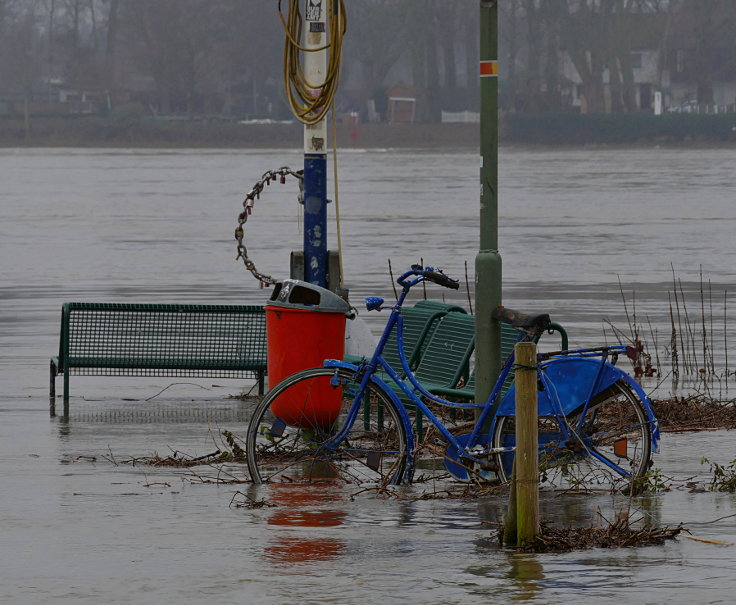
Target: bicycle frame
x=369, y=368
x=603, y=373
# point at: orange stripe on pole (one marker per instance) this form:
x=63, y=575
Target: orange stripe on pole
x=488, y=69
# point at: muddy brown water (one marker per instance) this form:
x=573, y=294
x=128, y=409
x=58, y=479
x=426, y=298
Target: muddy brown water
x=79, y=525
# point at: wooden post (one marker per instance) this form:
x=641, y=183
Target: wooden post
x=526, y=460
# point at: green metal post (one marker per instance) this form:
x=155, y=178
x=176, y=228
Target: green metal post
x=488, y=260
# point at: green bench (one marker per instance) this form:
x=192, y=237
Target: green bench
x=509, y=336
x=419, y=323
x=443, y=368
x=445, y=359
x=111, y=339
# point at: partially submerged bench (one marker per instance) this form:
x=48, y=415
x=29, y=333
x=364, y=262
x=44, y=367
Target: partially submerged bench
x=419, y=323
x=443, y=368
x=111, y=339
x=509, y=336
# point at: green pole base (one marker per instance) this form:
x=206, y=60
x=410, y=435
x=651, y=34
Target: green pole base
x=487, y=329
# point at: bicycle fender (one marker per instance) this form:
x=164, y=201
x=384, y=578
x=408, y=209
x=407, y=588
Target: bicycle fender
x=337, y=363
x=571, y=379
x=648, y=407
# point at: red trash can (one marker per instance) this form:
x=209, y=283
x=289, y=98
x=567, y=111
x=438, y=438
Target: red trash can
x=305, y=324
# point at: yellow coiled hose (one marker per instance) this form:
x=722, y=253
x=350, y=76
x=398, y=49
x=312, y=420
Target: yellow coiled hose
x=310, y=101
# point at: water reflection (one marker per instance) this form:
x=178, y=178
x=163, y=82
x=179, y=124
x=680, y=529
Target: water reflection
x=288, y=550
x=526, y=571
x=298, y=507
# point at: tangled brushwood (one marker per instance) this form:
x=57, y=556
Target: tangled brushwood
x=695, y=413
x=616, y=535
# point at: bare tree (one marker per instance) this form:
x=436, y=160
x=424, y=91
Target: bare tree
x=469, y=32
x=224, y=55
x=6, y=11
x=704, y=31
x=19, y=46
x=378, y=35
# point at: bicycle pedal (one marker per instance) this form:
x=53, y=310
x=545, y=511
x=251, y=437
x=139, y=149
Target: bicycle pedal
x=277, y=429
x=373, y=461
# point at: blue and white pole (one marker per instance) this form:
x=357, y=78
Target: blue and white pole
x=315, y=152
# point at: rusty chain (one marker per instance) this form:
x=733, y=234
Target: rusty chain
x=248, y=205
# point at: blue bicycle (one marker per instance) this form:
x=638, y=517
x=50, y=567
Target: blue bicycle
x=341, y=422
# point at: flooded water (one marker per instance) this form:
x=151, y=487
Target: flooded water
x=81, y=524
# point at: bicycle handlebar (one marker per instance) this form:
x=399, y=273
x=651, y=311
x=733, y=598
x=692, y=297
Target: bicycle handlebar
x=441, y=279
x=429, y=273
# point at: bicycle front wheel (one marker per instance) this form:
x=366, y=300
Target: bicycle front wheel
x=304, y=431
x=608, y=448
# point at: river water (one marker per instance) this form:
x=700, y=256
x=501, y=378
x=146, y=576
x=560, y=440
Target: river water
x=81, y=524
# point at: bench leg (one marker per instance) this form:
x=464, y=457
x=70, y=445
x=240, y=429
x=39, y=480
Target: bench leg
x=261, y=382
x=66, y=394
x=52, y=391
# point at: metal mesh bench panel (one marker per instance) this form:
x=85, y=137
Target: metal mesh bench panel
x=508, y=340
x=446, y=356
x=509, y=336
x=441, y=307
x=418, y=326
x=170, y=340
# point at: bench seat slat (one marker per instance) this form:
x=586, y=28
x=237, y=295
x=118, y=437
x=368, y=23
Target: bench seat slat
x=163, y=364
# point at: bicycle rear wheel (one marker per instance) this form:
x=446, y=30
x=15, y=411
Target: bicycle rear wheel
x=291, y=435
x=608, y=449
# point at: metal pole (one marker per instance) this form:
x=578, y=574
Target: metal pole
x=488, y=260
x=315, y=152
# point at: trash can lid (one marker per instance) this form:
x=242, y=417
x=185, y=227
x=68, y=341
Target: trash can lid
x=297, y=294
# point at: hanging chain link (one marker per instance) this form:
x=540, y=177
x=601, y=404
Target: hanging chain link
x=249, y=203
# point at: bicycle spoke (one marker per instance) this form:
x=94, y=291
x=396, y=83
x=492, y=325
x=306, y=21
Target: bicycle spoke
x=588, y=453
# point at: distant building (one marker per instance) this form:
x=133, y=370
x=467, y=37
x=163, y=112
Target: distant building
x=672, y=73
x=402, y=104
x=642, y=72
x=50, y=97
x=648, y=78
x=683, y=89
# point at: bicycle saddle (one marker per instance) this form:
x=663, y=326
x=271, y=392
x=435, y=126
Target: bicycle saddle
x=521, y=321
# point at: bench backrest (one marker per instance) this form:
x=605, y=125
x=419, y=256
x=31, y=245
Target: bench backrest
x=418, y=326
x=437, y=305
x=509, y=336
x=112, y=335
x=508, y=340
x=445, y=359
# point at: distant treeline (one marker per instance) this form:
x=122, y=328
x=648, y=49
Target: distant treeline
x=224, y=57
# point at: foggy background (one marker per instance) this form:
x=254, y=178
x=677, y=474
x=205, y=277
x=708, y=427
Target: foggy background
x=224, y=57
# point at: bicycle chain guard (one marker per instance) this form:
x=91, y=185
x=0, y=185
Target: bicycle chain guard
x=464, y=469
